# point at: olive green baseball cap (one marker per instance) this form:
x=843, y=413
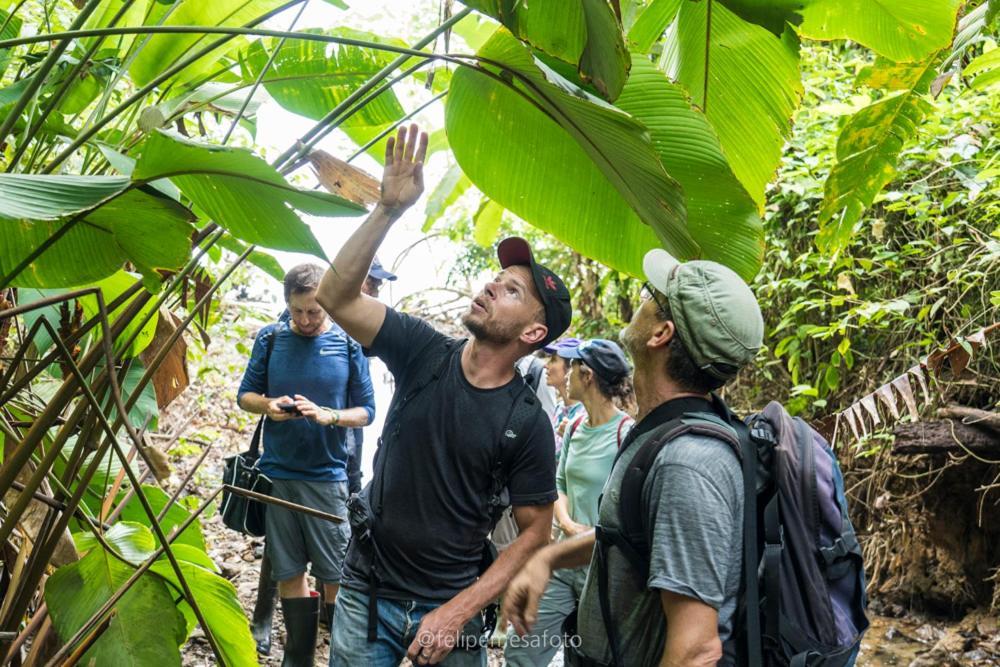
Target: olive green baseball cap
x=716, y=315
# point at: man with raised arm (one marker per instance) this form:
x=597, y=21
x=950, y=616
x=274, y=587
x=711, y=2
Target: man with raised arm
x=461, y=425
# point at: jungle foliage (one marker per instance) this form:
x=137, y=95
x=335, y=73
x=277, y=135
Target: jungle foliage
x=127, y=130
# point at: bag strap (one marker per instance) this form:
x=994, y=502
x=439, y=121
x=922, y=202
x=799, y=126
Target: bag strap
x=621, y=425
x=571, y=429
x=515, y=432
x=258, y=432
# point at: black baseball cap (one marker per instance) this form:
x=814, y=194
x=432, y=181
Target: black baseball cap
x=515, y=251
x=602, y=356
x=379, y=273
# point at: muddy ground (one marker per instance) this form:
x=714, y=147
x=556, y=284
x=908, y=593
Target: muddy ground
x=205, y=415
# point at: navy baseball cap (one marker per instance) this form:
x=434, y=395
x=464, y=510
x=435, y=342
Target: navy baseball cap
x=602, y=356
x=515, y=251
x=555, y=346
x=380, y=273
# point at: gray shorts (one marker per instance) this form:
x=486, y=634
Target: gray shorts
x=295, y=539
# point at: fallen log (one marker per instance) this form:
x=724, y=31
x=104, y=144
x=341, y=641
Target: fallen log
x=982, y=419
x=944, y=436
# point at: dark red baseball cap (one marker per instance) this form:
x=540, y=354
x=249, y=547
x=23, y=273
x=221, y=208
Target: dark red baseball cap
x=515, y=251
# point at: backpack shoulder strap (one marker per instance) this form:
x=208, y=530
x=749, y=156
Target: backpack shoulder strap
x=516, y=429
x=258, y=432
x=631, y=513
x=626, y=419
x=433, y=368
x=571, y=429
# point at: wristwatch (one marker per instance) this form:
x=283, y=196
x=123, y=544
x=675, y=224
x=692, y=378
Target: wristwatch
x=335, y=416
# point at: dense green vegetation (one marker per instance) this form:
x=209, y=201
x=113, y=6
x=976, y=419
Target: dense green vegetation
x=844, y=163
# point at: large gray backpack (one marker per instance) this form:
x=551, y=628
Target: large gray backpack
x=802, y=599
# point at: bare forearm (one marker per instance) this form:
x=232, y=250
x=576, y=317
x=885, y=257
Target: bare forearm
x=342, y=282
x=574, y=552
x=255, y=403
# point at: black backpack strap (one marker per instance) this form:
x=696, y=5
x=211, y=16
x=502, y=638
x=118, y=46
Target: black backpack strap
x=258, y=432
x=751, y=557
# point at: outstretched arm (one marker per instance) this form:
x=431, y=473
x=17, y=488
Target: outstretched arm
x=339, y=293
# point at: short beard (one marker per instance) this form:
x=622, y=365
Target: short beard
x=485, y=334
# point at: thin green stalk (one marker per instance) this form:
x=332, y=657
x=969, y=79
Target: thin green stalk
x=341, y=118
x=43, y=71
x=389, y=130
x=106, y=608
x=230, y=33
x=292, y=154
x=263, y=73
x=37, y=252
x=68, y=82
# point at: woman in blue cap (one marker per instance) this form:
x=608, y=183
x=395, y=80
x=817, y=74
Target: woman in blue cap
x=599, y=374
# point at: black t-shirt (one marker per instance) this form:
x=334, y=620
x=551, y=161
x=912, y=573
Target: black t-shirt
x=433, y=469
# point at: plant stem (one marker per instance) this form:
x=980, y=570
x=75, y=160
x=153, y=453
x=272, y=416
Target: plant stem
x=43, y=71
x=305, y=141
x=263, y=73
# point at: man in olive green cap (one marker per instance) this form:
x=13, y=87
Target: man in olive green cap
x=676, y=604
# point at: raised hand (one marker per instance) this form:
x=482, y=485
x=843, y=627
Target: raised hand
x=403, y=178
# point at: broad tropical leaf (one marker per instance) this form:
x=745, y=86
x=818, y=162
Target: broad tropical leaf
x=146, y=628
x=258, y=258
x=581, y=32
x=162, y=51
x=986, y=69
x=774, y=15
x=452, y=186
x=867, y=152
x=586, y=172
x=721, y=216
x=487, y=224
x=111, y=288
x=133, y=541
x=11, y=29
x=310, y=78
x=175, y=516
x=119, y=227
x=217, y=600
x=240, y=192
x=651, y=22
x=116, y=45
x=750, y=93
x=899, y=30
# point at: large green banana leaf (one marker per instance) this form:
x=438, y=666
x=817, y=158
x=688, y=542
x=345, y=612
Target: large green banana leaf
x=146, y=628
x=563, y=160
x=240, y=192
x=721, y=216
x=114, y=224
x=751, y=89
x=310, y=78
x=907, y=30
x=161, y=51
x=868, y=150
x=585, y=33
x=216, y=598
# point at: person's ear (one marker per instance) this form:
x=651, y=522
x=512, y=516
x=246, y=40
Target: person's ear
x=534, y=333
x=661, y=334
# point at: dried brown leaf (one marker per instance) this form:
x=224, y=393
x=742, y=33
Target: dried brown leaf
x=345, y=180
x=171, y=378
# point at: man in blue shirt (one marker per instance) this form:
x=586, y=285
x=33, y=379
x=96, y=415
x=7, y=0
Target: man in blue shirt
x=303, y=387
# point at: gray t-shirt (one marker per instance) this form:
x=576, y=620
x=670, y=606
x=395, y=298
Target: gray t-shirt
x=694, y=496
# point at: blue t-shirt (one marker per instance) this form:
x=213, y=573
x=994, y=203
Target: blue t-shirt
x=315, y=367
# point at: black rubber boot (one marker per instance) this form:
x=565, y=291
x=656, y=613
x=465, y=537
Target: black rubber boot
x=263, y=609
x=301, y=626
x=328, y=615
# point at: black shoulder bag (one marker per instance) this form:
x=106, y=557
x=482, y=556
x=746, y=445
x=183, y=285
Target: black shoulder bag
x=239, y=513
